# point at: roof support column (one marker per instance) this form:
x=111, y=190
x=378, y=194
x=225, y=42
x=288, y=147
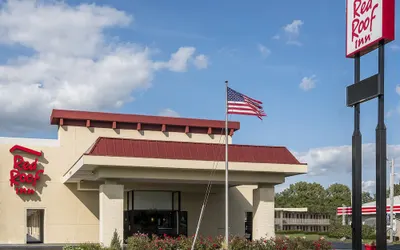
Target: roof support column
x=263, y=212
x=111, y=212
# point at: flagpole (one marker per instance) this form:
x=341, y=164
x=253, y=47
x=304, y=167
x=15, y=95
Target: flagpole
x=226, y=169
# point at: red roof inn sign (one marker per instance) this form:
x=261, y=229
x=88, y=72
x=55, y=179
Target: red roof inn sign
x=369, y=25
x=368, y=22
x=24, y=172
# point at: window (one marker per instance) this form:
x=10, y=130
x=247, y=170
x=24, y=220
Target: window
x=34, y=225
x=248, y=225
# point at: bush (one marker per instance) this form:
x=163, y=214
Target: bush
x=115, y=241
x=288, y=232
x=368, y=232
x=340, y=231
x=140, y=242
x=85, y=246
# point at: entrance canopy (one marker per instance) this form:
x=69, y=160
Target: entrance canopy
x=186, y=162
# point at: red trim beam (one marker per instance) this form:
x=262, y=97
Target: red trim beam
x=365, y=210
x=140, y=122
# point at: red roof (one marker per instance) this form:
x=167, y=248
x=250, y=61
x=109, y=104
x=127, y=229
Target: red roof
x=190, y=151
x=140, y=122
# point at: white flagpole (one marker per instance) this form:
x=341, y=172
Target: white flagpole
x=226, y=170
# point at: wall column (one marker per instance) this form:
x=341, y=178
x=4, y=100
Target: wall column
x=111, y=212
x=263, y=212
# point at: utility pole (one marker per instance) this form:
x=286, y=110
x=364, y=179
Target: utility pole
x=391, y=199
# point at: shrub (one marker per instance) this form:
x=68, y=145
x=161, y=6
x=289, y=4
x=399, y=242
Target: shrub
x=115, y=241
x=140, y=241
x=288, y=232
x=85, y=246
x=340, y=231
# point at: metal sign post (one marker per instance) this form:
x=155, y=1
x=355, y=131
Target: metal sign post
x=356, y=167
x=381, y=241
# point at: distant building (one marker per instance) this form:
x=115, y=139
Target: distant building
x=369, y=213
x=299, y=219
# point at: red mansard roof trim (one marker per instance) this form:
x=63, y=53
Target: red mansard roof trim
x=116, y=147
x=140, y=122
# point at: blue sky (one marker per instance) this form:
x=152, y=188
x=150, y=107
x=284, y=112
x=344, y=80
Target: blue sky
x=239, y=42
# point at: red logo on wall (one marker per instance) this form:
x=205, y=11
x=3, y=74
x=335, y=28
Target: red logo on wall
x=24, y=172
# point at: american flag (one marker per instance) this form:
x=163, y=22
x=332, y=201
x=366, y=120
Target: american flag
x=243, y=105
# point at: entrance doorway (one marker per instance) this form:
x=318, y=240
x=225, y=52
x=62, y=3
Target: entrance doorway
x=154, y=212
x=34, y=225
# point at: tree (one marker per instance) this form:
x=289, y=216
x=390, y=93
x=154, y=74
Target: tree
x=303, y=194
x=115, y=241
x=396, y=189
x=337, y=196
x=367, y=197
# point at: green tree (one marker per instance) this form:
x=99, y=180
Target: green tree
x=367, y=197
x=115, y=241
x=303, y=194
x=337, y=195
x=396, y=189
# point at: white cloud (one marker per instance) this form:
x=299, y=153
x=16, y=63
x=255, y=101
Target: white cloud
x=396, y=110
x=308, y=83
x=263, y=50
x=335, y=160
x=169, y=112
x=398, y=89
x=368, y=186
x=294, y=27
x=58, y=28
x=292, y=30
x=276, y=37
x=73, y=64
x=395, y=47
x=201, y=61
x=389, y=113
x=179, y=60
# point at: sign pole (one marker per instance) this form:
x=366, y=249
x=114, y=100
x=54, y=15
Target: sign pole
x=391, y=199
x=356, y=168
x=381, y=242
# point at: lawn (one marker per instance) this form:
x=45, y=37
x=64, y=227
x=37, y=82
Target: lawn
x=313, y=237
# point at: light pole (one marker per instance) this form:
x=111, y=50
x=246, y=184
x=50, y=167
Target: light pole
x=391, y=196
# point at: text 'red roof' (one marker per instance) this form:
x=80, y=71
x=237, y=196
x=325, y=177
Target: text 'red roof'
x=140, y=122
x=116, y=147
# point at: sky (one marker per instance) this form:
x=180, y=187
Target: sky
x=173, y=57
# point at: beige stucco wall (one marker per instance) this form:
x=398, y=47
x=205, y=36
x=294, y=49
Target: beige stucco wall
x=214, y=217
x=71, y=215
x=79, y=139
